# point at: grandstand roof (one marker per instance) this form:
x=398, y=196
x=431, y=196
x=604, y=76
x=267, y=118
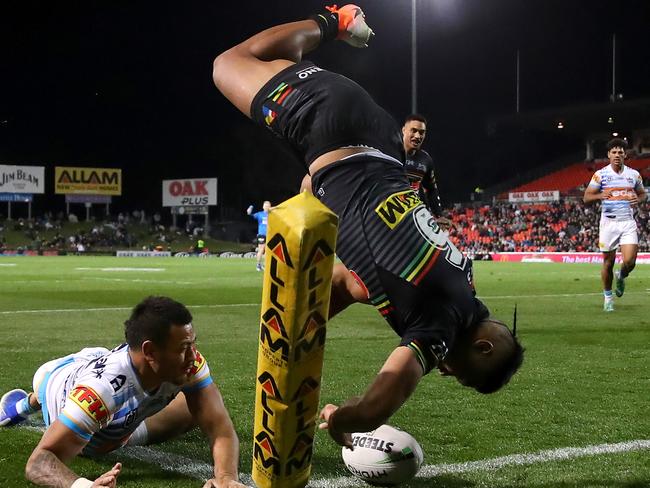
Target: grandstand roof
x=582, y=120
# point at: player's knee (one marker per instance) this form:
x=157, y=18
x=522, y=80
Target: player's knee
x=629, y=264
x=219, y=68
x=222, y=66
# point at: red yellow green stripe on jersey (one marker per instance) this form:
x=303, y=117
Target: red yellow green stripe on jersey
x=382, y=304
x=421, y=264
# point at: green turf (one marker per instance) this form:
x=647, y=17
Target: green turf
x=585, y=380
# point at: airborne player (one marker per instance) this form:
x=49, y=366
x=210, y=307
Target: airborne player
x=405, y=265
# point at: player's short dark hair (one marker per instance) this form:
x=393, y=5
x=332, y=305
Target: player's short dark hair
x=616, y=142
x=418, y=117
x=501, y=375
x=151, y=320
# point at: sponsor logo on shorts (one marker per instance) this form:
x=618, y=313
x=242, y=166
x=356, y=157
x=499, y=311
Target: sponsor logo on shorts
x=397, y=206
x=91, y=403
x=304, y=73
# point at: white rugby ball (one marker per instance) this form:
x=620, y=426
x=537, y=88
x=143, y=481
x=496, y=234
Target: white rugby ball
x=385, y=456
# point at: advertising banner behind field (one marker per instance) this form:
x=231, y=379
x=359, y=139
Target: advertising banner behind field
x=561, y=257
x=16, y=197
x=22, y=179
x=192, y=192
x=534, y=196
x=76, y=198
x=93, y=181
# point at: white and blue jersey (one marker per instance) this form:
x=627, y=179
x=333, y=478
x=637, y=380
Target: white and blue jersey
x=97, y=394
x=262, y=218
x=622, y=185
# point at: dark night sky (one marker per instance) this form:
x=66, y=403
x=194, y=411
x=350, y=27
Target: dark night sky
x=128, y=83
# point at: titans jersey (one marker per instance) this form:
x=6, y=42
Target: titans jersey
x=97, y=394
x=621, y=184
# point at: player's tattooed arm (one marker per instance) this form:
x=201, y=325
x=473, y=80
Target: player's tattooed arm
x=58, y=446
x=45, y=469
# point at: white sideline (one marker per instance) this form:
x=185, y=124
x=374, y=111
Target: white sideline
x=203, y=471
x=225, y=305
x=119, y=309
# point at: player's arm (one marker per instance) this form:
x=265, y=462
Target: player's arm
x=641, y=194
x=593, y=191
x=431, y=193
x=58, y=446
x=390, y=389
x=210, y=414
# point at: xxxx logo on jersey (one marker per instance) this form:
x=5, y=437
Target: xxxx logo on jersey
x=397, y=206
x=91, y=403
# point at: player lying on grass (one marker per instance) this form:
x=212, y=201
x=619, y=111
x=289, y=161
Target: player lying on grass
x=403, y=264
x=153, y=387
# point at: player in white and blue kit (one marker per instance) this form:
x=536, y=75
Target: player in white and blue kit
x=619, y=189
x=262, y=218
x=155, y=386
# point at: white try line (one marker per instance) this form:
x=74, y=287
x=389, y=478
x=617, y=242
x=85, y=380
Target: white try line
x=202, y=471
x=118, y=309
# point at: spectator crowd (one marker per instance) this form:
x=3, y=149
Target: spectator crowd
x=564, y=226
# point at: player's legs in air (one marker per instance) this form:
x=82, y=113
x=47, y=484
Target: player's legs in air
x=242, y=71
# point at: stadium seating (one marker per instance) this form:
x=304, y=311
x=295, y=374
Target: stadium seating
x=577, y=175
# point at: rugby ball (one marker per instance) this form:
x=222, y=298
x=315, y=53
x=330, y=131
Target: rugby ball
x=385, y=456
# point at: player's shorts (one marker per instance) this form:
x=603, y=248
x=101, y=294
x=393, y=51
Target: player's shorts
x=614, y=233
x=414, y=276
x=317, y=111
x=261, y=239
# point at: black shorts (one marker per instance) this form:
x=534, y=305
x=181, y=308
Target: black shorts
x=417, y=279
x=317, y=111
x=261, y=239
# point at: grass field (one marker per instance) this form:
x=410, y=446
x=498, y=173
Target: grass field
x=585, y=381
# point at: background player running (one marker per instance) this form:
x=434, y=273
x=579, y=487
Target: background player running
x=403, y=263
x=262, y=218
x=619, y=189
x=153, y=387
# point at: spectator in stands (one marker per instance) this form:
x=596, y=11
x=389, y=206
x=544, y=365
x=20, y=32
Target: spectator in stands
x=619, y=189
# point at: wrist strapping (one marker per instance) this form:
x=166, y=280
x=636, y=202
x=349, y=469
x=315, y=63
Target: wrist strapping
x=82, y=483
x=328, y=23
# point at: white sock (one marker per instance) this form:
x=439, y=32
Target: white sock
x=24, y=408
x=140, y=436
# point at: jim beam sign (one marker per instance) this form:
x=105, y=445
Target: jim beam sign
x=89, y=181
x=22, y=179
